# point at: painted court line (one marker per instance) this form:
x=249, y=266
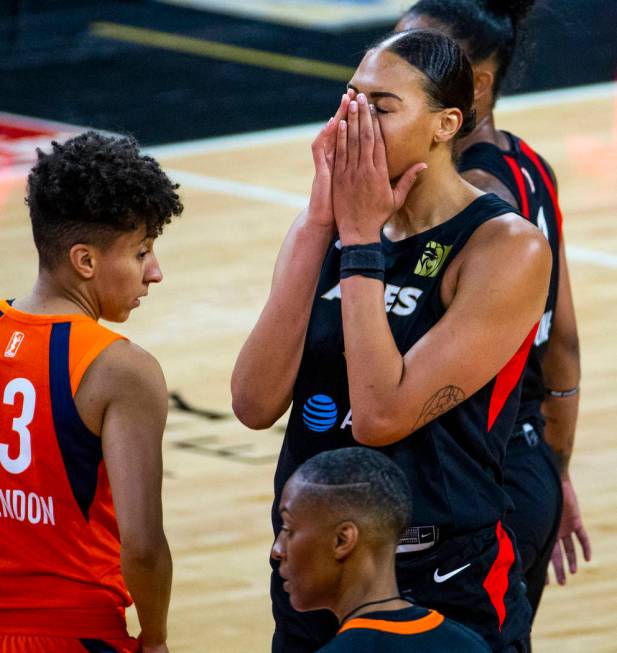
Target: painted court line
x=237, y=189
x=296, y=201
x=221, y=51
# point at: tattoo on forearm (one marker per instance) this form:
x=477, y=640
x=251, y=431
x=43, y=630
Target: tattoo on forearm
x=441, y=402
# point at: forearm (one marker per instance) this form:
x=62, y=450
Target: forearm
x=148, y=579
x=268, y=364
x=374, y=364
x=561, y=414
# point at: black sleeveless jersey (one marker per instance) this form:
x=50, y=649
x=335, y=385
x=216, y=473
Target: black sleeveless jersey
x=453, y=464
x=529, y=178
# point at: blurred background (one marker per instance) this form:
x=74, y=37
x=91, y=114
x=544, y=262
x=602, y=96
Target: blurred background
x=187, y=69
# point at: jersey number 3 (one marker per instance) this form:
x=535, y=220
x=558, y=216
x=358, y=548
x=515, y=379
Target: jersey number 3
x=20, y=425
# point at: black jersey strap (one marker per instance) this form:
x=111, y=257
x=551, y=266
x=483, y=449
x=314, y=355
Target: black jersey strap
x=502, y=165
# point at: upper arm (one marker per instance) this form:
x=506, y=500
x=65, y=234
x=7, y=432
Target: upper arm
x=132, y=431
x=500, y=295
x=490, y=184
x=561, y=363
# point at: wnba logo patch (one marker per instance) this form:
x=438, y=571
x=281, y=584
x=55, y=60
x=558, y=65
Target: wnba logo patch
x=319, y=413
x=433, y=257
x=14, y=344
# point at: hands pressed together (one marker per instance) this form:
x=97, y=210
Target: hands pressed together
x=351, y=188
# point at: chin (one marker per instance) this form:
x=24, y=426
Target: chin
x=116, y=316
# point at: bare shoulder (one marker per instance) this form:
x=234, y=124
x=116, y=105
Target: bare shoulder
x=510, y=238
x=124, y=358
x=489, y=184
x=122, y=374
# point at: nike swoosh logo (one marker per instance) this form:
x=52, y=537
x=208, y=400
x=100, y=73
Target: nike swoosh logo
x=441, y=579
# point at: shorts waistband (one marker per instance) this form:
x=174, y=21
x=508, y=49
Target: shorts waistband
x=418, y=538
x=95, y=623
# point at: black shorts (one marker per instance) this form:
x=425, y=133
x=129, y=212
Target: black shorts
x=475, y=579
x=487, y=595
x=533, y=483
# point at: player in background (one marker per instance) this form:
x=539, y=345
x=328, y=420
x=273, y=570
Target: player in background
x=496, y=161
x=343, y=512
x=83, y=410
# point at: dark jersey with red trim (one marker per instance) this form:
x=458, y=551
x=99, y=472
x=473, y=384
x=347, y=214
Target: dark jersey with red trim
x=454, y=463
x=530, y=180
x=410, y=630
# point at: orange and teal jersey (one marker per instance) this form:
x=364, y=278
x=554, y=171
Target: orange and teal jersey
x=59, y=542
x=410, y=630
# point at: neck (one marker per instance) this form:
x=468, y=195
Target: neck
x=438, y=195
x=485, y=132
x=364, y=589
x=50, y=296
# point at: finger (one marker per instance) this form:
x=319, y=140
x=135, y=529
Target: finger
x=379, y=147
x=585, y=542
x=367, y=138
x=568, y=545
x=341, y=112
x=353, y=134
x=404, y=184
x=340, y=160
x=557, y=560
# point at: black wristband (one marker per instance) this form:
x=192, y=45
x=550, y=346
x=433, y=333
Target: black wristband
x=365, y=260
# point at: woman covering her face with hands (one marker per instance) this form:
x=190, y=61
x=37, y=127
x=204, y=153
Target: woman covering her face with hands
x=403, y=305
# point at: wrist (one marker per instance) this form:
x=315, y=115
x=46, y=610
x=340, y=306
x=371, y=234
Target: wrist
x=359, y=237
x=317, y=220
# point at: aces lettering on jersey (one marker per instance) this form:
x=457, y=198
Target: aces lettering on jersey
x=16, y=456
x=397, y=300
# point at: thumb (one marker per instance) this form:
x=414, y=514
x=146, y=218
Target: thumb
x=404, y=184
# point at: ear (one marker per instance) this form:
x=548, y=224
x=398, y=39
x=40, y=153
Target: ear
x=450, y=121
x=483, y=78
x=346, y=540
x=83, y=259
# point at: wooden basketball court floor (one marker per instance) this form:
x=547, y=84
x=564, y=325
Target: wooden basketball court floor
x=240, y=195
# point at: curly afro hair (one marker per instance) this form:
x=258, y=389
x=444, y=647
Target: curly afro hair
x=93, y=188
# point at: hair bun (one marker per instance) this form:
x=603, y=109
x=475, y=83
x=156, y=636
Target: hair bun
x=516, y=9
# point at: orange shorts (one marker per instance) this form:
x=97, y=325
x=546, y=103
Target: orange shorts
x=33, y=644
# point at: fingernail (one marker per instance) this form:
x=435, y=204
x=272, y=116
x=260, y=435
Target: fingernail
x=361, y=98
x=330, y=121
x=372, y=108
x=343, y=125
x=353, y=106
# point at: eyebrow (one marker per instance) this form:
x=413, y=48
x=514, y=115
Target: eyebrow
x=377, y=94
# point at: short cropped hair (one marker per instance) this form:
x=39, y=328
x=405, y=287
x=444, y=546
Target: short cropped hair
x=360, y=482
x=93, y=188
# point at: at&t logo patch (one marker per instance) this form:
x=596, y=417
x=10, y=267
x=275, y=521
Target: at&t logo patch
x=319, y=413
x=14, y=344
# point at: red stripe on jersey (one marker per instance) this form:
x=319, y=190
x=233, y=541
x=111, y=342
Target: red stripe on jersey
x=520, y=184
x=548, y=182
x=509, y=376
x=496, y=582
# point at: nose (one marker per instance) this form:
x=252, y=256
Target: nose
x=278, y=549
x=154, y=273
